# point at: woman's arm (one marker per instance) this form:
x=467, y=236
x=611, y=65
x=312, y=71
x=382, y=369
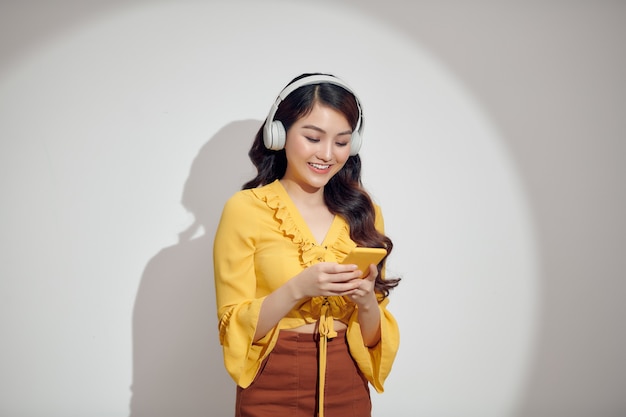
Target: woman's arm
x=368, y=312
x=322, y=279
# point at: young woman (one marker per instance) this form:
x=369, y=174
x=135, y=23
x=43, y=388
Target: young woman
x=303, y=334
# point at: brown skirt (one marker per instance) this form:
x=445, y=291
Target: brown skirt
x=287, y=384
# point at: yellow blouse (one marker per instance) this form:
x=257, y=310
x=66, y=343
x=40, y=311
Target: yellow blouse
x=262, y=242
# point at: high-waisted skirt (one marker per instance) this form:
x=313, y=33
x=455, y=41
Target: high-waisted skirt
x=287, y=383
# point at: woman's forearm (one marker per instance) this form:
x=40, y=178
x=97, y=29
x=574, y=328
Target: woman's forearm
x=274, y=308
x=321, y=279
x=369, y=321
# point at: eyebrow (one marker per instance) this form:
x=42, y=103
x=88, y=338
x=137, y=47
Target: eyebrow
x=318, y=129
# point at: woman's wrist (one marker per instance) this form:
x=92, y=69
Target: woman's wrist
x=368, y=304
x=293, y=290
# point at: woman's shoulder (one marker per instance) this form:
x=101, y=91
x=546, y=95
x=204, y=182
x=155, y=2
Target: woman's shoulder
x=239, y=197
x=240, y=201
x=251, y=198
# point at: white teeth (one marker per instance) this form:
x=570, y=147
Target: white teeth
x=318, y=166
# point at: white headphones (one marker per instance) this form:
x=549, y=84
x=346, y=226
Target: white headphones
x=274, y=135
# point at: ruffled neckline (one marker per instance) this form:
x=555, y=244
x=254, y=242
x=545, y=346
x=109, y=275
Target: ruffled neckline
x=337, y=240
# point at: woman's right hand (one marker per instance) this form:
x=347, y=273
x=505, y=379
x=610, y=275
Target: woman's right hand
x=322, y=279
x=326, y=279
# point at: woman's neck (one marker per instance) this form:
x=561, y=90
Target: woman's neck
x=307, y=196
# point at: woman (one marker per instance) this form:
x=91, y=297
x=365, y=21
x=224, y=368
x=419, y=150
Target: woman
x=302, y=334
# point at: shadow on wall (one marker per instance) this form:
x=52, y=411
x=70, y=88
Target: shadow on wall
x=178, y=368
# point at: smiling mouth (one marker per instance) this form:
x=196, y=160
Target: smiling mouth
x=319, y=166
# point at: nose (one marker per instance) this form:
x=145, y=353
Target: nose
x=325, y=151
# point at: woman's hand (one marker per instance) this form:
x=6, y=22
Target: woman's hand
x=364, y=295
x=326, y=279
x=367, y=303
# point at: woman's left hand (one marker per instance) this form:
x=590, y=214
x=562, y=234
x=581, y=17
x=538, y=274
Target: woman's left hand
x=367, y=303
x=364, y=295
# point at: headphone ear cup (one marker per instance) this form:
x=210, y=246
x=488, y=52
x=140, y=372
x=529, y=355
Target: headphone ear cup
x=355, y=143
x=274, y=136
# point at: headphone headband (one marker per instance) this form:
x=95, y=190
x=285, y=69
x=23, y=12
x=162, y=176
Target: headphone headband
x=274, y=135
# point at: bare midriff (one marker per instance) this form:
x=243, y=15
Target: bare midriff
x=312, y=327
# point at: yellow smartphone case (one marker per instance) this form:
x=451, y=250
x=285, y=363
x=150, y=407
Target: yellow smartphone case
x=363, y=257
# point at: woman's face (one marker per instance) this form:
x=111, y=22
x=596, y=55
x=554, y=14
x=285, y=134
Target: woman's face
x=317, y=147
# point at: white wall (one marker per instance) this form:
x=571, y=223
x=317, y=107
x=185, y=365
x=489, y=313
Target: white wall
x=492, y=142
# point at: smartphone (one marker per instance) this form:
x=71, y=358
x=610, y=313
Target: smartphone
x=364, y=257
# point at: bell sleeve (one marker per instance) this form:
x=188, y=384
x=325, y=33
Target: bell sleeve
x=235, y=289
x=375, y=362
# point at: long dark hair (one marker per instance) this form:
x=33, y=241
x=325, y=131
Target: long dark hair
x=344, y=194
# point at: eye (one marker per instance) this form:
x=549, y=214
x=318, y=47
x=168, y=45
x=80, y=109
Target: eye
x=312, y=140
x=342, y=143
